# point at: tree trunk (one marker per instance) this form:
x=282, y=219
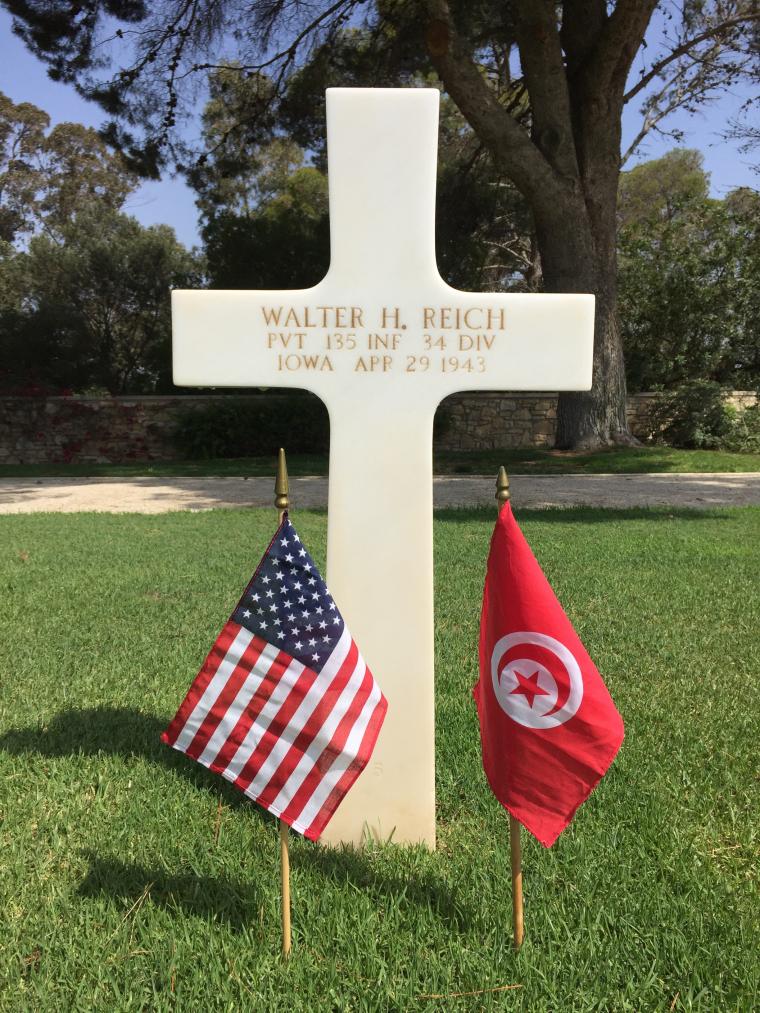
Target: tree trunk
x=597, y=417
x=568, y=169
x=578, y=255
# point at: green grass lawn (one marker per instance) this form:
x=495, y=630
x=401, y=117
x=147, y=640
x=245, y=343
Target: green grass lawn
x=531, y=461
x=121, y=890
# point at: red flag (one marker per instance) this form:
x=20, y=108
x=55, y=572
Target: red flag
x=548, y=726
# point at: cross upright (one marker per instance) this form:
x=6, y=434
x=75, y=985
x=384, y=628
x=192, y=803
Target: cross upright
x=381, y=340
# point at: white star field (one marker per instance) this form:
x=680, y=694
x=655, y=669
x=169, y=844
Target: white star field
x=287, y=602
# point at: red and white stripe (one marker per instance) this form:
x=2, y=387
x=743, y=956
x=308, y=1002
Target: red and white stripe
x=292, y=738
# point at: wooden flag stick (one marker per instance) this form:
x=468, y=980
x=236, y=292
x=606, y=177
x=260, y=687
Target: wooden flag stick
x=282, y=502
x=515, y=851
x=515, y=847
x=285, y=888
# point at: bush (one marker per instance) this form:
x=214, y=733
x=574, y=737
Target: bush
x=744, y=434
x=253, y=426
x=693, y=415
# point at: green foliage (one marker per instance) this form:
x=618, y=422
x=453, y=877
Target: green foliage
x=22, y=136
x=45, y=179
x=743, y=434
x=286, y=244
x=84, y=302
x=693, y=415
x=122, y=891
x=254, y=426
x=689, y=278
x=542, y=87
x=659, y=189
x=265, y=209
x=91, y=308
x=696, y=415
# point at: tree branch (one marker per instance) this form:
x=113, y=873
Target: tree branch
x=617, y=45
x=506, y=140
x=541, y=58
x=684, y=48
x=582, y=21
x=290, y=52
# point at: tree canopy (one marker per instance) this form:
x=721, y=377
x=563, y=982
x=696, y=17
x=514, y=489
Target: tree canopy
x=84, y=288
x=262, y=197
x=541, y=87
x=46, y=175
x=90, y=308
x=689, y=277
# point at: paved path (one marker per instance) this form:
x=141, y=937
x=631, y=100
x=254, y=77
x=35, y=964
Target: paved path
x=159, y=495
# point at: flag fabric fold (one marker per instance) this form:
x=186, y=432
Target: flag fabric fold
x=284, y=705
x=549, y=729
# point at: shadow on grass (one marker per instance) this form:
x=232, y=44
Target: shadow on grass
x=422, y=888
x=116, y=731
x=582, y=515
x=219, y=898
x=123, y=731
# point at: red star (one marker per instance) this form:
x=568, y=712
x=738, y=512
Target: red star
x=528, y=686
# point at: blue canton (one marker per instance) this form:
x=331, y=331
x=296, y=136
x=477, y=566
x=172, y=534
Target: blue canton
x=287, y=602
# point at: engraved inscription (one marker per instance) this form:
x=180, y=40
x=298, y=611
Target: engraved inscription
x=441, y=339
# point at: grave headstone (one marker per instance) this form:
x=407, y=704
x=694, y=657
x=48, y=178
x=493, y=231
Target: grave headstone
x=382, y=340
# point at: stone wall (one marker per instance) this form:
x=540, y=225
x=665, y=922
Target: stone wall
x=100, y=430
x=90, y=430
x=490, y=421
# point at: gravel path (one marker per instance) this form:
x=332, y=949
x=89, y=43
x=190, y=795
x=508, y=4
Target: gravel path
x=159, y=495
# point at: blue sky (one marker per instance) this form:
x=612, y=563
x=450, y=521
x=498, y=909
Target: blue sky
x=24, y=79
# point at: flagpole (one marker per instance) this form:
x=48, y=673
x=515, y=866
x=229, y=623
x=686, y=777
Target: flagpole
x=282, y=502
x=515, y=846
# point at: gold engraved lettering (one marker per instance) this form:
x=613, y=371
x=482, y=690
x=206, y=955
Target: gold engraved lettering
x=271, y=314
x=313, y=316
x=391, y=318
x=374, y=364
x=314, y=363
x=488, y=318
x=417, y=363
x=453, y=364
x=338, y=316
x=377, y=341
x=476, y=342
x=340, y=341
x=286, y=339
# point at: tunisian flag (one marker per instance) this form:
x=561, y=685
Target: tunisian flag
x=548, y=727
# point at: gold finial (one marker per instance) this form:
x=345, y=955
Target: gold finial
x=281, y=489
x=502, y=487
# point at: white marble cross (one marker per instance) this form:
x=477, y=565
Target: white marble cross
x=381, y=340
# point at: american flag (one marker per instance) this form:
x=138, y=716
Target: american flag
x=284, y=706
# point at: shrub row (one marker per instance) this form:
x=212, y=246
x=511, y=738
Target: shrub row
x=252, y=427
x=696, y=415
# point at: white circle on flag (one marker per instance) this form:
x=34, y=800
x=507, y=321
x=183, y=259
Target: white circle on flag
x=527, y=691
